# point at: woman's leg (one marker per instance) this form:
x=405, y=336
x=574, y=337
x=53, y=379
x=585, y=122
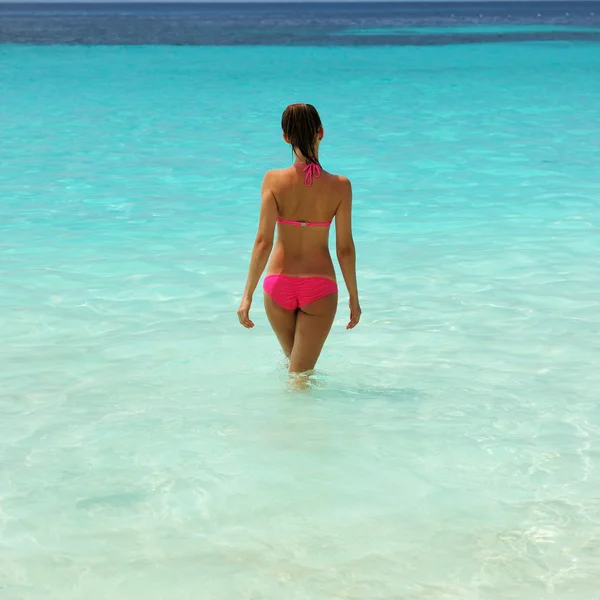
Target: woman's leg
x=313, y=324
x=283, y=322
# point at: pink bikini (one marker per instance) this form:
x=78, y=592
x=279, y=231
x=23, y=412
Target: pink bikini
x=295, y=292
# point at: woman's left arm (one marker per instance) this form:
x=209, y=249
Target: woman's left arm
x=263, y=244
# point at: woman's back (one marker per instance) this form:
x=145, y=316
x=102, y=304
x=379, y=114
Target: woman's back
x=307, y=201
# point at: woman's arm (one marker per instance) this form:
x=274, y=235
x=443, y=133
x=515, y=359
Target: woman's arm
x=261, y=250
x=346, y=251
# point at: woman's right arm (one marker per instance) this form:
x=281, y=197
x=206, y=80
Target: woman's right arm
x=346, y=251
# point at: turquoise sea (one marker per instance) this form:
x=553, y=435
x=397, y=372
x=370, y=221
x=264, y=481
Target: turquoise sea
x=450, y=447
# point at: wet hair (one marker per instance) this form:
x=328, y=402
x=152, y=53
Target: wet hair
x=301, y=124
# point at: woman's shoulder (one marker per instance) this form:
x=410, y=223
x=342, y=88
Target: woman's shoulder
x=272, y=178
x=273, y=175
x=340, y=180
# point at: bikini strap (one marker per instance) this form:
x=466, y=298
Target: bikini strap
x=311, y=170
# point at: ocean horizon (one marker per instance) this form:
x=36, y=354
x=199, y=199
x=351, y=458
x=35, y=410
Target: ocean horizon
x=291, y=24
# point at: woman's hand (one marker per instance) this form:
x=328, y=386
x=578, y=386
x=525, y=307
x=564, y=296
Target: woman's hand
x=355, y=313
x=244, y=312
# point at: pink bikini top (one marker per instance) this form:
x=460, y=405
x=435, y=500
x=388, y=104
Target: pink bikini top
x=312, y=170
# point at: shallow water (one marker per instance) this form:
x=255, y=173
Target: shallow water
x=150, y=446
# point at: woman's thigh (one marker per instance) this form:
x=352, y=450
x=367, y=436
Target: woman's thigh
x=283, y=322
x=313, y=324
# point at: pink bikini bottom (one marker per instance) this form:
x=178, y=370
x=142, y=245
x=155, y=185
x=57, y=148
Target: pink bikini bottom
x=296, y=292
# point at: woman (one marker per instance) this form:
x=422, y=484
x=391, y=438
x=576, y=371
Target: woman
x=300, y=286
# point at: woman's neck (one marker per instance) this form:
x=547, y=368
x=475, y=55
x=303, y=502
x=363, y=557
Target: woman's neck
x=301, y=159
